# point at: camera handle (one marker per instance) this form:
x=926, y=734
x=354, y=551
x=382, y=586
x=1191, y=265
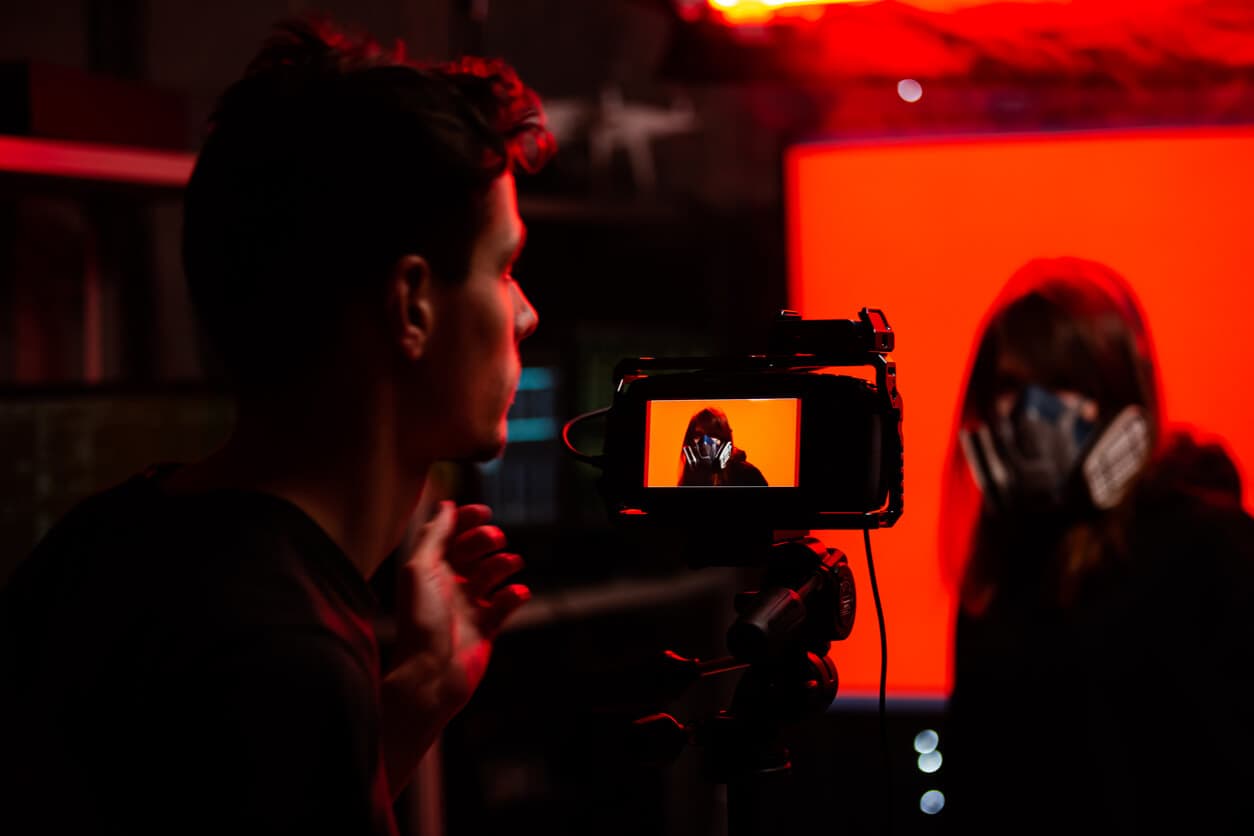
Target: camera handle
x=780, y=641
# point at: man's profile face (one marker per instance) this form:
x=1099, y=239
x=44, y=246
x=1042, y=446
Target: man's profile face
x=483, y=319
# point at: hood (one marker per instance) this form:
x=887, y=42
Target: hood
x=1191, y=464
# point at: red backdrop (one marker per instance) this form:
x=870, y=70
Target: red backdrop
x=929, y=231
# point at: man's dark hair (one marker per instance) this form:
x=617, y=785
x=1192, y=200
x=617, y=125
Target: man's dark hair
x=330, y=159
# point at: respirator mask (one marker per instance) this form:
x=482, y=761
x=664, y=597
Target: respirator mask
x=707, y=454
x=1048, y=452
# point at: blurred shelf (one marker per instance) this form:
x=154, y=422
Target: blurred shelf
x=93, y=162
x=154, y=169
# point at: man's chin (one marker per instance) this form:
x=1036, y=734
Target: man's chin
x=487, y=451
x=482, y=446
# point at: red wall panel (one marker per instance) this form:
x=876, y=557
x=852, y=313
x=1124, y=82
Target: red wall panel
x=929, y=231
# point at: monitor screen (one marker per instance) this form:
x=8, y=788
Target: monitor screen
x=722, y=442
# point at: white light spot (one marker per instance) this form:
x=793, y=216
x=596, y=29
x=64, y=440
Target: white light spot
x=909, y=90
x=930, y=761
x=932, y=802
x=925, y=741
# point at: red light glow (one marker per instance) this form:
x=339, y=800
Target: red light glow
x=764, y=11
x=757, y=12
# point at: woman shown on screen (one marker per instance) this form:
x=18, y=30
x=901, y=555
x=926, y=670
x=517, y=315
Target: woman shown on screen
x=709, y=458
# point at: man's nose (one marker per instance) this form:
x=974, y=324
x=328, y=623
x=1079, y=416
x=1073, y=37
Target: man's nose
x=525, y=317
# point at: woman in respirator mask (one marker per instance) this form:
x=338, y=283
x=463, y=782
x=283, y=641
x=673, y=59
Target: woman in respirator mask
x=1104, y=571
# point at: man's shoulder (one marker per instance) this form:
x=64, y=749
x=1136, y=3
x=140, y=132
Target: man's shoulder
x=133, y=523
x=80, y=540
x=222, y=562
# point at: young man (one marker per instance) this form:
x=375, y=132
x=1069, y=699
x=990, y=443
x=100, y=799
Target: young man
x=192, y=651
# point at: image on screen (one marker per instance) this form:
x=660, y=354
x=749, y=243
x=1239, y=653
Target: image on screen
x=717, y=442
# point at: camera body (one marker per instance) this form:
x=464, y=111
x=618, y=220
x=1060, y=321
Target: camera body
x=787, y=440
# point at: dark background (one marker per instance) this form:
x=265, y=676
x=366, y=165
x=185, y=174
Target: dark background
x=643, y=240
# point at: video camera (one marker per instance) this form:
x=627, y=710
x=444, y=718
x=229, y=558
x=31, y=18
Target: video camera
x=786, y=440
x=742, y=457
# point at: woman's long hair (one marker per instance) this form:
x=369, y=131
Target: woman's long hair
x=1068, y=323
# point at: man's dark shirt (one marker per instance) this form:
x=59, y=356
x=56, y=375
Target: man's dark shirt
x=189, y=664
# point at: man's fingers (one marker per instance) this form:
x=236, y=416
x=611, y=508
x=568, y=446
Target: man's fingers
x=433, y=537
x=468, y=548
x=504, y=603
x=491, y=572
x=471, y=516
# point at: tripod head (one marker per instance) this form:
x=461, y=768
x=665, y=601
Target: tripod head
x=779, y=640
x=806, y=602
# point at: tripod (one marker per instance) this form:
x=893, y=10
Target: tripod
x=779, y=640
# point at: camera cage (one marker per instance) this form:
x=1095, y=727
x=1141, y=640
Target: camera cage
x=850, y=454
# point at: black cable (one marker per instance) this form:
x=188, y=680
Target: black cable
x=595, y=461
x=883, y=703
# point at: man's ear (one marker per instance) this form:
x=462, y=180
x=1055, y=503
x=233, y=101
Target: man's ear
x=410, y=307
